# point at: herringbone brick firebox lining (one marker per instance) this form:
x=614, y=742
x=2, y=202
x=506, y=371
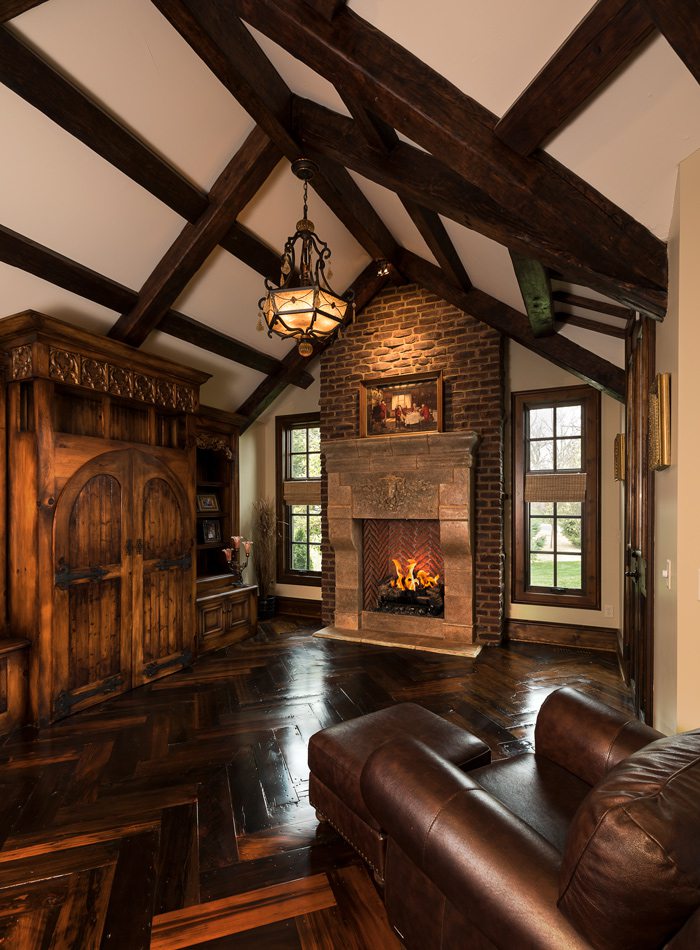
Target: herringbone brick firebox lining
x=385, y=539
x=407, y=330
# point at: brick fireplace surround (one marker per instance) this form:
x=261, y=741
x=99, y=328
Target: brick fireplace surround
x=407, y=330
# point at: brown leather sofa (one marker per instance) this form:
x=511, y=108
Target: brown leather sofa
x=591, y=841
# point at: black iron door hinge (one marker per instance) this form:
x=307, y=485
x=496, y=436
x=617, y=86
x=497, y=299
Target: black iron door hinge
x=185, y=562
x=64, y=576
x=65, y=701
x=152, y=668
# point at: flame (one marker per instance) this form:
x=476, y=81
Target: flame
x=410, y=581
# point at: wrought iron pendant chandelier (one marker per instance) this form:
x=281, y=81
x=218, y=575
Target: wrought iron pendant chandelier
x=304, y=306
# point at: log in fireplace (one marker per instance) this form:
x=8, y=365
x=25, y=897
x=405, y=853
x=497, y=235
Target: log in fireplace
x=412, y=591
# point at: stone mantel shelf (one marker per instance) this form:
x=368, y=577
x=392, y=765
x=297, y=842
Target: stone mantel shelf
x=428, y=447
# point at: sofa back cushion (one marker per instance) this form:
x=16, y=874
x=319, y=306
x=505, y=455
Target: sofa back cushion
x=630, y=873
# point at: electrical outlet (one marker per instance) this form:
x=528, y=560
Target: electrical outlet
x=608, y=611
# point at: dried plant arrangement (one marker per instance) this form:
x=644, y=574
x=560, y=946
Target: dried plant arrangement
x=264, y=545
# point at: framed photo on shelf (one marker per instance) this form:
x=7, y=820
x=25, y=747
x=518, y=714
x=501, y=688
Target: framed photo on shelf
x=211, y=530
x=401, y=405
x=208, y=503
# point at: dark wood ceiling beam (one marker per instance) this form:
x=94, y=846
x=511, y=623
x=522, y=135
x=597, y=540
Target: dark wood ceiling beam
x=9, y=9
x=27, y=255
x=383, y=137
x=337, y=189
x=434, y=233
x=270, y=388
x=365, y=288
x=536, y=289
x=326, y=8
x=588, y=303
x=192, y=331
x=599, y=45
x=222, y=42
x=247, y=171
x=378, y=133
x=557, y=349
x=419, y=177
x=29, y=76
x=250, y=250
x=26, y=74
x=679, y=21
x=594, y=325
x=566, y=217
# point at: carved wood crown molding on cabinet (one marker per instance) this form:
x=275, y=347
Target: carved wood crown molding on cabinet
x=52, y=349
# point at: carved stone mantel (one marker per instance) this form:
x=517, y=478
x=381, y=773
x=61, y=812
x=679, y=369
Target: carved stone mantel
x=427, y=476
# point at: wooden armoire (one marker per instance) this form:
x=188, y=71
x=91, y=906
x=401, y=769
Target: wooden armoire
x=100, y=566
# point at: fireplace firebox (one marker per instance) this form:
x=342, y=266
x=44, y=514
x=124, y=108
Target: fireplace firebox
x=403, y=567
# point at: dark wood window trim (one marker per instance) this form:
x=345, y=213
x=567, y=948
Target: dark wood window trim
x=285, y=574
x=589, y=597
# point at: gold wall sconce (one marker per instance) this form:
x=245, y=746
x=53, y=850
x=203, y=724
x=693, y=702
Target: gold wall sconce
x=660, y=423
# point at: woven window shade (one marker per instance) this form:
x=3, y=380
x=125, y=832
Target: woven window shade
x=556, y=487
x=302, y=493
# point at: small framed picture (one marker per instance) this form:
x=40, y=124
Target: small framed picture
x=401, y=405
x=207, y=503
x=211, y=530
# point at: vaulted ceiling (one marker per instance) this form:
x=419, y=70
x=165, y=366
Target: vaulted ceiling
x=518, y=160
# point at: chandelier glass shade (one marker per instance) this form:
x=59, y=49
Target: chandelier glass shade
x=304, y=306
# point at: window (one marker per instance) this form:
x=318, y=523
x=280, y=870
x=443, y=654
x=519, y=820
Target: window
x=299, y=498
x=556, y=549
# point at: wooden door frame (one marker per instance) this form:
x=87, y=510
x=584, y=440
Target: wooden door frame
x=639, y=513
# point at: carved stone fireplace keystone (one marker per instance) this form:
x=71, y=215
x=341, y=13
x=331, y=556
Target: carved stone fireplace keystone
x=426, y=477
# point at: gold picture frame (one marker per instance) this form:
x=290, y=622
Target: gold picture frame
x=208, y=502
x=660, y=423
x=401, y=405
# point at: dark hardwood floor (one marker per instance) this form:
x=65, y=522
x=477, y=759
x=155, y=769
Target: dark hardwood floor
x=178, y=816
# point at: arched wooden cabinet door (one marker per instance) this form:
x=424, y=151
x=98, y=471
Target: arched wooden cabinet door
x=92, y=606
x=123, y=606
x=163, y=603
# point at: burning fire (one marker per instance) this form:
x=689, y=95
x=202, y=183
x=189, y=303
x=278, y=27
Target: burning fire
x=410, y=581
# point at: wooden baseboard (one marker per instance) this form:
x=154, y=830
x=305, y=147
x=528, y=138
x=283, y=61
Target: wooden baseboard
x=579, y=636
x=299, y=607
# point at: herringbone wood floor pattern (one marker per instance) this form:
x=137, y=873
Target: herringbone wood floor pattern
x=178, y=815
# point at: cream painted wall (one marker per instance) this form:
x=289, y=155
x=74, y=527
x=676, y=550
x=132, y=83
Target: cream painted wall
x=528, y=371
x=677, y=611
x=257, y=465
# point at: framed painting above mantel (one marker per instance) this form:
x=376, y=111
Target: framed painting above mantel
x=401, y=405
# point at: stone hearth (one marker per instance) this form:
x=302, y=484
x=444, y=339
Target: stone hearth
x=424, y=477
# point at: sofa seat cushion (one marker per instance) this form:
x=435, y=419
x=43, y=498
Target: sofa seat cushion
x=541, y=793
x=338, y=754
x=630, y=874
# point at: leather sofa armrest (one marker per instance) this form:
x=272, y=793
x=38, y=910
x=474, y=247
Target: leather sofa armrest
x=585, y=736
x=497, y=871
